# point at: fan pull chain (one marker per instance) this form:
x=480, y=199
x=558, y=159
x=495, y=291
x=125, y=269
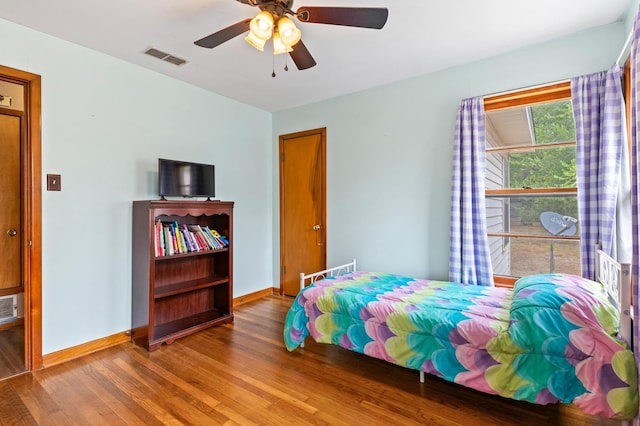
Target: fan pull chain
x=273, y=67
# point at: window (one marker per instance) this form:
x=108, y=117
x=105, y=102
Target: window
x=531, y=193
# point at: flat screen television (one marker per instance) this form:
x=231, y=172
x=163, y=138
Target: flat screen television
x=186, y=179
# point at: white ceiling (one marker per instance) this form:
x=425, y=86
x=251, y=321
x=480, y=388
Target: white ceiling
x=421, y=36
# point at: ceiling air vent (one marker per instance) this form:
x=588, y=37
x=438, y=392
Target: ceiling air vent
x=174, y=60
x=165, y=56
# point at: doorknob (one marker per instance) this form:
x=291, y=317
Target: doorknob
x=316, y=227
x=12, y=232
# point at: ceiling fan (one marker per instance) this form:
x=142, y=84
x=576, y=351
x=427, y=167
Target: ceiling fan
x=272, y=22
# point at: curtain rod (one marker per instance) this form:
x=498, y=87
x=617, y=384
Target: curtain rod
x=624, y=48
x=537, y=86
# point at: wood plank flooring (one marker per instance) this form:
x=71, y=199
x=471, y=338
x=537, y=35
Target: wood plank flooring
x=241, y=374
x=11, y=351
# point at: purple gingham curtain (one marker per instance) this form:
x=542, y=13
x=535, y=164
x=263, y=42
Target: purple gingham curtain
x=635, y=188
x=469, y=257
x=598, y=106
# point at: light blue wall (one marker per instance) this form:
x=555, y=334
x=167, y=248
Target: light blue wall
x=628, y=24
x=104, y=125
x=631, y=14
x=389, y=151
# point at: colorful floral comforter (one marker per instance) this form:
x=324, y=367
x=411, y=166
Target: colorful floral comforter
x=552, y=338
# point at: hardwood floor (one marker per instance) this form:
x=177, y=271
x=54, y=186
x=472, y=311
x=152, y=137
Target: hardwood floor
x=11, y=351
x=241, y=374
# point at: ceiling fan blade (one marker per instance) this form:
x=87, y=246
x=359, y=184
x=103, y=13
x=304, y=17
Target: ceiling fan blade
x=225, y=34
x=365, y=17
x=301, y=56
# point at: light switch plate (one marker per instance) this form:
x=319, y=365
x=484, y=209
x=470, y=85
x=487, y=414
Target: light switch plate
x=53, y=183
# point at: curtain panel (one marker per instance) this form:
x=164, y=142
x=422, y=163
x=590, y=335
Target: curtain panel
x=469, y=256
x=598, y=107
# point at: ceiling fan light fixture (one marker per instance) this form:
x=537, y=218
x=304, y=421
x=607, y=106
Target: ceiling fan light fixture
x=262, y=25
x=289, y=33
x=271, y=21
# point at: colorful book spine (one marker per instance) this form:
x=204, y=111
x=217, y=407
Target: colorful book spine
x=168, y=241
x=156, y=238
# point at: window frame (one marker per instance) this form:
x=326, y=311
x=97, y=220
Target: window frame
x=520, y=98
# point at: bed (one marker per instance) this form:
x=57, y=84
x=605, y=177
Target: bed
x=553, y=338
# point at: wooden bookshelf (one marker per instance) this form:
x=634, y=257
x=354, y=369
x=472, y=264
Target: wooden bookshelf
x=185, y=292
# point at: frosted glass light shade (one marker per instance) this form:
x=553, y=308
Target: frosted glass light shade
x=262, y=25
x=256, y=42
x=289, y=34
x=278, y=46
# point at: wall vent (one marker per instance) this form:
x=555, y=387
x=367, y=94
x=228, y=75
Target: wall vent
x=165, y=56
x=8, y=308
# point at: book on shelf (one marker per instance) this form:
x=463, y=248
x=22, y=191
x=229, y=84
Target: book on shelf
x=168, y=240
x=176, y=240
x=158, y=239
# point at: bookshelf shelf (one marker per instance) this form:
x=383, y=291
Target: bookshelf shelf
x=169, y=331
x=199, y=253
x=175, y=291
x=187, y=286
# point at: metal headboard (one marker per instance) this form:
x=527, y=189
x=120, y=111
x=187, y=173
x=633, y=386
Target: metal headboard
x=616, y=278
x=331, y=272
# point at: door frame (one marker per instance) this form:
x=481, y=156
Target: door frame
x=31, y=192
x=322, y=131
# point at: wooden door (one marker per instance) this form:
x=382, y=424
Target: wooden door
x=29, y=236
x=10, y=214
x=302, y=207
